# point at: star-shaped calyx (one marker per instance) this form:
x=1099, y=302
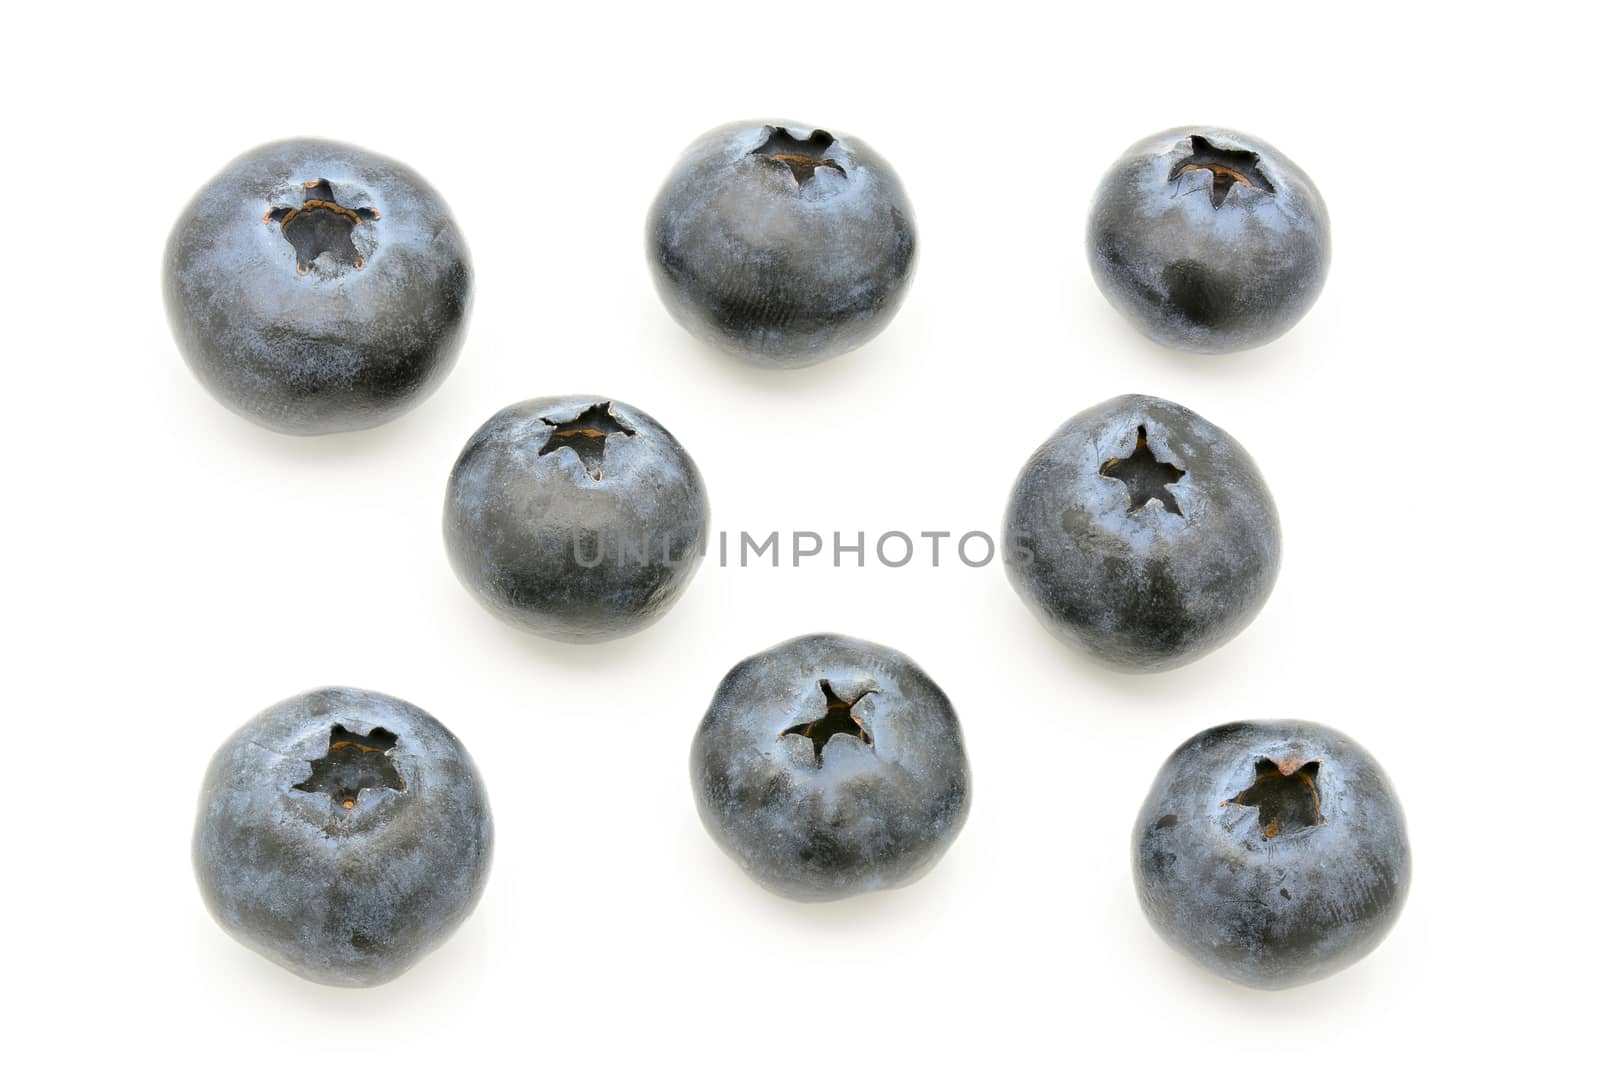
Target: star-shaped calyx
x=353, y=763
x=1284, y=796
x=1144, y=476
x=837, y=719
x=1227, y=166
x=803, y=157
x=585, y=435
x=321, y=225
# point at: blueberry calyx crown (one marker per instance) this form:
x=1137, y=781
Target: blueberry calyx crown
x=353, y=763
x=1145, y=477
x=321, y=225
x=803, y=157
x=1284, y=795
x=837, y=719
x=1227, y=167
x=585, y=435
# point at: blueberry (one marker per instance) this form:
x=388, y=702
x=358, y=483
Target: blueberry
x=1273, y=853
x=828, y=766
x=1208, y=240
x=576, y=518
x=313, y=287
x=343, y=834
x=1142, y=533
x=783, y=244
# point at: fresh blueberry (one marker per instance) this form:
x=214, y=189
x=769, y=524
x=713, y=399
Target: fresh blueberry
x=576, y=518
x=1142, y=533
x=343, y=834
x=780, y=243
x=1273, y=853
x=1208, y=240
x=315, y=287
x=828, y=766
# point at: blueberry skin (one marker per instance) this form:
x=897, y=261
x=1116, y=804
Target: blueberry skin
x=1154, y=587
x=1199, y=261
x=568, y=543
x=354, y=896
x=784, y=266
x=366, y=332
x=1272, y=910
x=831, y=815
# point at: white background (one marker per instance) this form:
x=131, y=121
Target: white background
x=1427, y=430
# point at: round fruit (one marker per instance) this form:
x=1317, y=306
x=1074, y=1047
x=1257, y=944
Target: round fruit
x=1273, y=853
x=343, y=834
x=1143, y=534
x=314, y=287
x=1208, y=240
x=828, y=766
x=576, y=518
x=780, y=243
